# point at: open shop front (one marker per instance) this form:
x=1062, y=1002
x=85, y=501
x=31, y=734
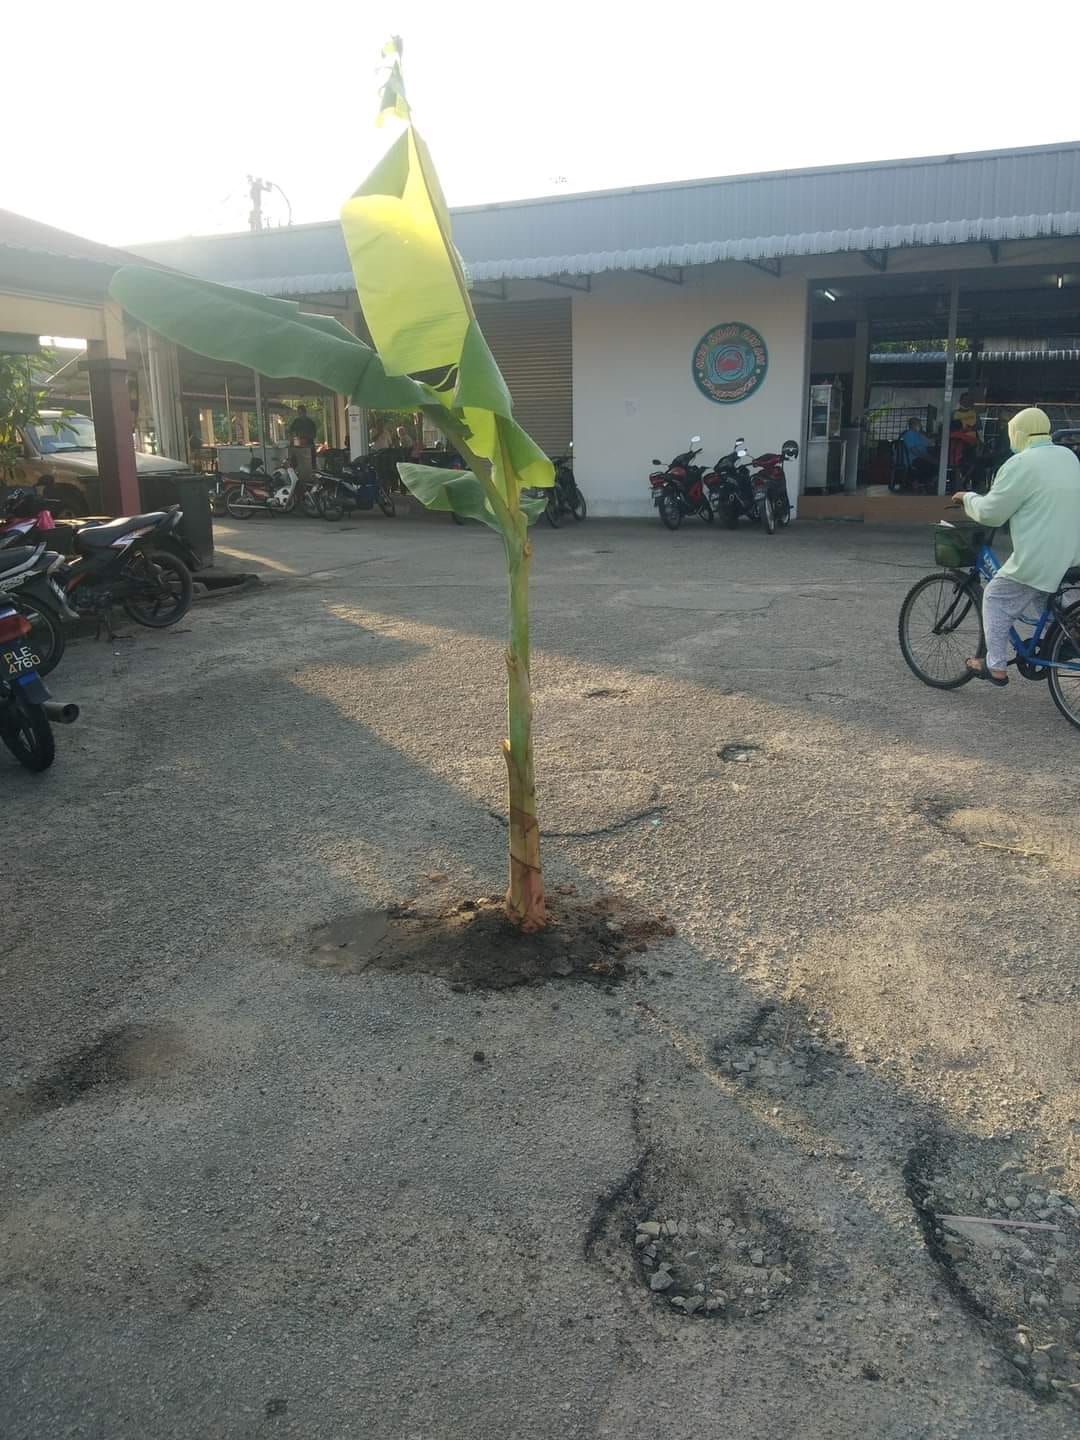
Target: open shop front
x=914, y=377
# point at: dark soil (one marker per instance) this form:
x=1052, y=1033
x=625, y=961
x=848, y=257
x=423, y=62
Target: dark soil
x=474, y=946
x=120, y=1056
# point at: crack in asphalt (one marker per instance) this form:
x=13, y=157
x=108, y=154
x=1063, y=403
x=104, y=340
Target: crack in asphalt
x=615, y=826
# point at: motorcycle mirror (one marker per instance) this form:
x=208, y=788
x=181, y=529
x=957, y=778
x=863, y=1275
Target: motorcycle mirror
x=695, y=439
x=656, y=460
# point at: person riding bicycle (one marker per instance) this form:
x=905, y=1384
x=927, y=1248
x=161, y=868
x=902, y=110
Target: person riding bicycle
x=1038, y=493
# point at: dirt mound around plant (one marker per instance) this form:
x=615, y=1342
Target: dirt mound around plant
x=474, y=946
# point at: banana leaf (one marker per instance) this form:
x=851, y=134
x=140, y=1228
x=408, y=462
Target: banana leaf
x=274, y=337
x=460, y=491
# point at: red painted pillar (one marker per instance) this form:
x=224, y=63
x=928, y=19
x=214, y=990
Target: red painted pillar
x=112, y=427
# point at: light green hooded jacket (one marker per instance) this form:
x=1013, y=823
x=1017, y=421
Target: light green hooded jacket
x=1037, y=493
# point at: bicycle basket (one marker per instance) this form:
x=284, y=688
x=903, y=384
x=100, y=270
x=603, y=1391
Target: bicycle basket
x=956, y=547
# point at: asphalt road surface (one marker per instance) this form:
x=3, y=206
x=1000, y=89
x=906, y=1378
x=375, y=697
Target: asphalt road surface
x=244, y=1195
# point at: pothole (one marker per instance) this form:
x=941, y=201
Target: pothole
x=740, y=752
x=120, y=1056
x=1042, y=838
x=603, y=693
x=723, y=1267
x=1007, y=1242
x=474, y=945
x=773, y=1052
x=696, y=1256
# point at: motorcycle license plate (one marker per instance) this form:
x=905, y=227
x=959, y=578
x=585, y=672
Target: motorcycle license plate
x=20, y=660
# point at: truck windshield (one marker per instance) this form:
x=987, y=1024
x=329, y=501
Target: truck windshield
x=68, y=432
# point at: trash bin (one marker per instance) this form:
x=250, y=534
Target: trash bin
x=192, y=493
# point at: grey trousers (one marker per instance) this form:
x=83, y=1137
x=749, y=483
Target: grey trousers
x=1004, y=601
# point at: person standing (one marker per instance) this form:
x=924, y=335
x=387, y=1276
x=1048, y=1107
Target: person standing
x=302, y=438
x=1038, y=493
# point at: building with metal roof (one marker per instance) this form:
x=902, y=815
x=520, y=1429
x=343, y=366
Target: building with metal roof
x=621, y=316
x=987, y=197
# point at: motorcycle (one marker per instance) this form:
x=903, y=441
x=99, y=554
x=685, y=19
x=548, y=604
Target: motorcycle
x=26, y=706
x=564, y=497
x=251, y=490
x=27, y=585
x=29, y=520
x=678, y=490
x=24, y=518
x=357, y=489
x=124, y=561
x=739, y=484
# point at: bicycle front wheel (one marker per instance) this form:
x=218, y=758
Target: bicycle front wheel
x=940, y=626
x=1065, y=650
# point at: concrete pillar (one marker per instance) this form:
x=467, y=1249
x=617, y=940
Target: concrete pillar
x=111, y=406
x=341, y=421
x=860, y=373
x=950, y=370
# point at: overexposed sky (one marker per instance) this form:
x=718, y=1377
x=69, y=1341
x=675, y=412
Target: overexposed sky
x=139, y=121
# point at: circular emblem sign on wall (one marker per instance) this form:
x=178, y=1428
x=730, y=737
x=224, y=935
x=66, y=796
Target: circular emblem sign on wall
x=729, y=362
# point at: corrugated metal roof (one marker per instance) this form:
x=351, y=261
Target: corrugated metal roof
x=39, y=259
x=942, y=200
x=937, y=357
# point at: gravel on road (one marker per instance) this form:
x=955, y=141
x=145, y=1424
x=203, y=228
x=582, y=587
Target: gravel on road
x=245, y=1195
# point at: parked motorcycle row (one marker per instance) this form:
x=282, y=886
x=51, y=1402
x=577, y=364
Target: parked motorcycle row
x=563, y=498
x=138, y=562
x=251, y=491
x=738, y=485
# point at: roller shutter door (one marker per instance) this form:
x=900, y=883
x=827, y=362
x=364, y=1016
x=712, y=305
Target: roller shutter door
x=530, y=340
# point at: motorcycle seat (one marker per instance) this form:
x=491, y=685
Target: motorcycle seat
x=16, y=557
x=99, y=537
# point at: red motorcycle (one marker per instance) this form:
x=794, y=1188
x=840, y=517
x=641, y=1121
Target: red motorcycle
x=26, y=516
x=678, y=490
x=739, y=484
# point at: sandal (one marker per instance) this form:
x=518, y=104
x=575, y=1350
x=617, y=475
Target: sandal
x=980, y=672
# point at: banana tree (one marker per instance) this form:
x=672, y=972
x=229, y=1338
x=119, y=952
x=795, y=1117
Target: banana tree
x=430, y=355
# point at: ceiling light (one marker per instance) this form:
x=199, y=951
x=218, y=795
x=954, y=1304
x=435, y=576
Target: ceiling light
x=830, y=296
x=1060, y=281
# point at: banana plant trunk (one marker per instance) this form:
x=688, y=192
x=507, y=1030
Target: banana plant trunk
x=525, y=897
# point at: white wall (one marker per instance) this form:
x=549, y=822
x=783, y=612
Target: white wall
x=635, y=396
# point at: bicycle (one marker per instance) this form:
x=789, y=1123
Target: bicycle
x=941, y=616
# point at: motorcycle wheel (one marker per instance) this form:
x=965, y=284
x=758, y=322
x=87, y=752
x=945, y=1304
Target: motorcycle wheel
x=240, y=503
x=731, y=516
x=385, y=501
x=168, y=582
x=768, y=516
x=670, y=512
x=706, y=513
x=312, y=504
x=578, y=508
x=551, y=511
x=783, y=511
x=26, y=732
x=330, y=507
x=47, y=636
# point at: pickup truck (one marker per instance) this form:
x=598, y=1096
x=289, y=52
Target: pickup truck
x=61, y=451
